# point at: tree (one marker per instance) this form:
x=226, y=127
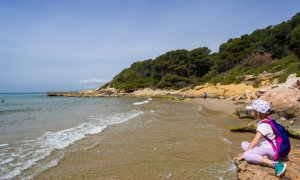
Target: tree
x=295, y=40
x=197, y=61
x=295, y=20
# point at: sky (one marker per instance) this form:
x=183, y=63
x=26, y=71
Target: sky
x=71, y=45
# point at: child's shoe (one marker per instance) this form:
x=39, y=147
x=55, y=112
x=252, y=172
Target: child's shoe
x=280, y=168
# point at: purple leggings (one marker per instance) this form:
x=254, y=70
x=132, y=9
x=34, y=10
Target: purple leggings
x=255, y=155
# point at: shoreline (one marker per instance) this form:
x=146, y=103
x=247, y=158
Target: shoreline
x=123, y=145
x=213, y=91
x=212, y=105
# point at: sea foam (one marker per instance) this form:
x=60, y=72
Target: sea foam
x=3, y=145
x=140, y=103
x=226, y=140
x=28, y=152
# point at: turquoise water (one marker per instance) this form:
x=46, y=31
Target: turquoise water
x=33, y=125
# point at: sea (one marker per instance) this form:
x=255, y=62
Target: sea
x=36, y=130
x=33, y=125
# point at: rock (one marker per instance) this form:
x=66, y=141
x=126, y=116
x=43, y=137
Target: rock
x=295, y=125
x=291, y=82
x=260, y=92
x=284, y=101
x=242, y=112
x=260, y=172
x=269, y=76
x=249, y=77
x=251, y=129
x=87, y=91
x=108, y=91
x=292, y=130
x=199, y=87
x=297, y=84
x=282, y=119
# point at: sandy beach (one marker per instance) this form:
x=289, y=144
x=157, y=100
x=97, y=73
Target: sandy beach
x=170, y=141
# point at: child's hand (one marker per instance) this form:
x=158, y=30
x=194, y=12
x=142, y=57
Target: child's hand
x=239, y=157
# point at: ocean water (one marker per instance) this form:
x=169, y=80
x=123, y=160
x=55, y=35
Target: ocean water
x=33, y=127
x=162, y=139
x=169, y=140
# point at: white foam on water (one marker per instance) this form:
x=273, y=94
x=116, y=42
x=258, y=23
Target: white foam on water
x=226, y=140
x=5, y=161
x=140, y=103
x=3, y=145
x=232, y=167
x=52, y=163
x=150, y=99
x=26, y=153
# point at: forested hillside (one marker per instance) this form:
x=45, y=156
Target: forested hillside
x=273, y=48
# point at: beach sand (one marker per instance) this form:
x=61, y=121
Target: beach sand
x=169, y=141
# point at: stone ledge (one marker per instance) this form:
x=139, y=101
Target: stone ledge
x=260, y=172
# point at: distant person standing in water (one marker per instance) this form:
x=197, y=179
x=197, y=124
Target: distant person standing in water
x=2, y=100
x=205, y=95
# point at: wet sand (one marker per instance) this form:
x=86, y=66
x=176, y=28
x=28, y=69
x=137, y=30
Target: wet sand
x=171, y=140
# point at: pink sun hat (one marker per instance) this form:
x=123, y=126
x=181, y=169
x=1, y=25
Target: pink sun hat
x=260, y=106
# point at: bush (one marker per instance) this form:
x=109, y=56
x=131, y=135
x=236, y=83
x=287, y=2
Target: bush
x=239, y=79
x=208, y=76
x=258, y=59
x=173, y=80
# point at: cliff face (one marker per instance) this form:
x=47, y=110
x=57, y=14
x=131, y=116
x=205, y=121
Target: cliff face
x=260, y=172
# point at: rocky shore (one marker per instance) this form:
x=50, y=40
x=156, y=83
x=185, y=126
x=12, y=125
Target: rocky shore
x=253, y=171
x=213, y=91
x=285, y=101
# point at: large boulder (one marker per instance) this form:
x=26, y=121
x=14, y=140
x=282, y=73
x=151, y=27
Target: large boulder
x=284, y=101
x=253, y=171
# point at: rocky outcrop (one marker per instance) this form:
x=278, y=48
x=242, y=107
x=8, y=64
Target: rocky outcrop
x=292, y=82
x=284, y=101
x=107, y=92
x=285, y=105
x=285, y=110
x=292, y=131
x=155, y=92
x=263, y=79
x=260, y=172
x=236, y=91
x=242, y=112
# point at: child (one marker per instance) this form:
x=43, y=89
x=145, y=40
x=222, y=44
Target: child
x=260, y=151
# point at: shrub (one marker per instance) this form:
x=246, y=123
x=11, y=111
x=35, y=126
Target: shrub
x=239, y=79
x=256, y=83
x=258, y=59
x=173, y=80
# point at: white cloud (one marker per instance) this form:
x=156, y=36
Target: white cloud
x=94, y=81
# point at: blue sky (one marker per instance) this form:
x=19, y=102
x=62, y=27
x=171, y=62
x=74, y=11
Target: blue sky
x=62, y=45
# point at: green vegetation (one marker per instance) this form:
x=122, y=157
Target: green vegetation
x=251, y=129
x=272, y=49
x=290, y=64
